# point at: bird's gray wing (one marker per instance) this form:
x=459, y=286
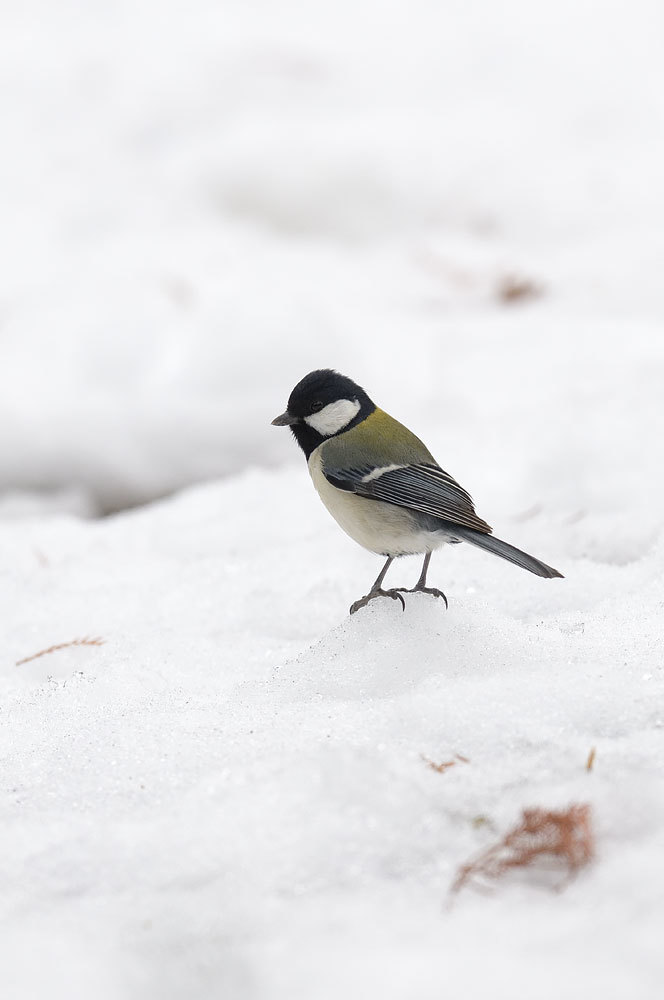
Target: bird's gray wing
x=424, y=487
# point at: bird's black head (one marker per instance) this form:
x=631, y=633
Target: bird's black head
x=323, y=404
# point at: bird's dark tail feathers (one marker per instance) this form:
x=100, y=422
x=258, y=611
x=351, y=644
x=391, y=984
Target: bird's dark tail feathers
x=505, y=551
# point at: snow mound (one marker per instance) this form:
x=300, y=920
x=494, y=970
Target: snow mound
x=233, y=792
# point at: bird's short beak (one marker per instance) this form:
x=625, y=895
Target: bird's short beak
x=285, y=420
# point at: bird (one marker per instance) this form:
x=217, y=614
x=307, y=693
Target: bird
x=382, y=484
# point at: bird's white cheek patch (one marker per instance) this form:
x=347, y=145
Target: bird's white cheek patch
x=333, y=417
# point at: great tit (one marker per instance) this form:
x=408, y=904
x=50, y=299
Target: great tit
x=382, y=484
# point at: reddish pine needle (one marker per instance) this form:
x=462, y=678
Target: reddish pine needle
x=61, y=645
x=446, y=764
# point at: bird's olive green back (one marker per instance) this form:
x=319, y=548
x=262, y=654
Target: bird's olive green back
x=377, y=441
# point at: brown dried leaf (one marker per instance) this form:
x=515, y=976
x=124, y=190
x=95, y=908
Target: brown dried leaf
x=512, y=288
x=565, y=836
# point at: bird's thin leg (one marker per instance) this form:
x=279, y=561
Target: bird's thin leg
x=377, y=591
x=381, y=575
x=421, y=585
x=422, y=582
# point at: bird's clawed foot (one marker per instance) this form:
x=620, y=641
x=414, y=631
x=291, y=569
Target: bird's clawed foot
x=363, y=601
x=425, y=590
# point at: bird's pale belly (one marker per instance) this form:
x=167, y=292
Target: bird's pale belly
x=380, y=527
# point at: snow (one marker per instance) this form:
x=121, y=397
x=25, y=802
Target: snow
x=228, y=796
x=251, y=190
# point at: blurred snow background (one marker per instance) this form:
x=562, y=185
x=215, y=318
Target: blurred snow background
x=198, y=204
x=202, y=202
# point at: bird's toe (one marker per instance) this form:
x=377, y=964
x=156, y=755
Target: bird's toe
x=363, y=601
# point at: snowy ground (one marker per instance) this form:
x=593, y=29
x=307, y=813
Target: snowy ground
x=227, y=797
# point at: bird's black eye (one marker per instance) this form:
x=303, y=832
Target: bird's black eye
x=315, y=407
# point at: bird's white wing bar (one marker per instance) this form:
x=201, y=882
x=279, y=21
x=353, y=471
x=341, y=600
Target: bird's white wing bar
x=426, y=488
x=377, y=473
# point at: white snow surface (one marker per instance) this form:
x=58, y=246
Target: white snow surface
x=227, y=798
